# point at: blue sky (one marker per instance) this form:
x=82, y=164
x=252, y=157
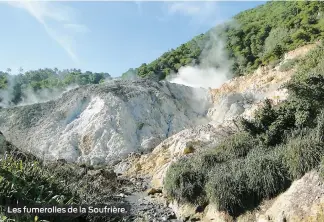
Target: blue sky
x=102, y=36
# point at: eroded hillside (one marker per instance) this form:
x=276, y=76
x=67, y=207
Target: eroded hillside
x=101, y=124
x=152, y=131
x=241, y=96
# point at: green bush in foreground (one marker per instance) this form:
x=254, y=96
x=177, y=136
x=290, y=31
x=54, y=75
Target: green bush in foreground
x=185, y=184
x=25, y=180
x=266, y=175
x=302, y=154
x=226, y=187
x=236, y=146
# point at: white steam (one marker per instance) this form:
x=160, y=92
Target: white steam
x=43, y=95
x=214, y=68
x=28, y=95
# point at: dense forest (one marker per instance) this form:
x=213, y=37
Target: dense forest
x=18, y=86
x=254, y=37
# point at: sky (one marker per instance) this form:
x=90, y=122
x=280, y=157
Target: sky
x=102, y=36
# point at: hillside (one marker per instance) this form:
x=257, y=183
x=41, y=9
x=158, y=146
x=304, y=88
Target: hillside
x=42, y=85
x=249, y=150
x=99, y=124
x=216, y=166
x=254, y=37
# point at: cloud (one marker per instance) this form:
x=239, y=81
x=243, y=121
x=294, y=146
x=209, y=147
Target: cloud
x=58, y=20
x=199, y=12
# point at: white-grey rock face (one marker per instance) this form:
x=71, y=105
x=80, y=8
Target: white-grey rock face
x=230, y=106
x=102, y=123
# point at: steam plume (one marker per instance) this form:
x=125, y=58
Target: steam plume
x=214, y=68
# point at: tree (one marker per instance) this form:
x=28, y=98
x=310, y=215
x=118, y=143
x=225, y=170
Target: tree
x=20, y=70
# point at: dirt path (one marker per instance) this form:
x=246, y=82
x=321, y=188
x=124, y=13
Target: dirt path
x=147, y=208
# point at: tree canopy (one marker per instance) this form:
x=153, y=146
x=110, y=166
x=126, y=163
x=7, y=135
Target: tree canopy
x=253, y=37
x=36, y=80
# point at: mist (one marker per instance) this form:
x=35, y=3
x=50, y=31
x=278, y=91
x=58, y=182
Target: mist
x=27, y=95
x=214, y=68
x=43, y=95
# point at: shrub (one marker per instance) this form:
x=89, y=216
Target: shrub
x=190, y=147
x=276, y=61
x=319, y=131
x=184, y=183
x=25, y=180
x=263, y=118
x=226, y=187
x=266, y=175
x=302, y=154
x=236, y=146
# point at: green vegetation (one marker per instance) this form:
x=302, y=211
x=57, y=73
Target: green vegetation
x=302, y=154
x=279, y=145
x=288, y=65
x=24, y=179
x=254, y=37
x=19, y=86
x=186, y=183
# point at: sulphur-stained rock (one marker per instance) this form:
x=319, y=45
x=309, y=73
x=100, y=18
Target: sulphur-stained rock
x=155, y=164
x=153, y=191
x=149, y=144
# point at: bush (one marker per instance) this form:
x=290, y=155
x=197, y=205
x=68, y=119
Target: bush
x=25, y=180
x=236, y=146
x=184, y=183
x=321, y=167
x=266, y=175
x=319, y=131
x=272, y=123
x=302, y=154
x=226, y=187
x=27, y=183
x=241, y=184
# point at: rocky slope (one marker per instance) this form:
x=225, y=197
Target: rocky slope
x=87, y=185
x=108, y=123
x=238, y=97
x=103, y=123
